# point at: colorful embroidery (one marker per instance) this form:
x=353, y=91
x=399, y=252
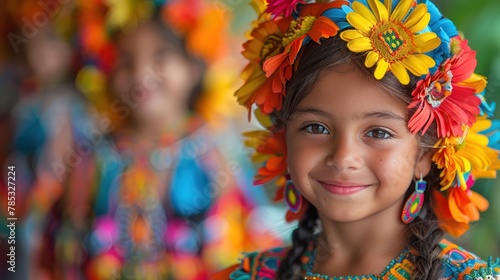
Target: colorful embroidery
x=457, y=263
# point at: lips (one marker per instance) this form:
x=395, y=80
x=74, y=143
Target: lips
x=343, y=188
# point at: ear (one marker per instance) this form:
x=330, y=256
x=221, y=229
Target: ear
x=424, y=163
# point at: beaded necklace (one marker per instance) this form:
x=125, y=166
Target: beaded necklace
x=399, y=267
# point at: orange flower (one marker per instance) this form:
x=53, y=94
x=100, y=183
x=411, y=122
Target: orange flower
x=457, y=208
x=457, y=156
x=311, y=24
x=273, y=49
x=276, y=165
x=270, y=147
x=265, y=42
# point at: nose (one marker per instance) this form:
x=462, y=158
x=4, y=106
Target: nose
x=345, y=153
x=140, y=71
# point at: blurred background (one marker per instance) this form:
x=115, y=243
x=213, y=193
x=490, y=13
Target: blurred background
x=118, y=122
x=110, y=108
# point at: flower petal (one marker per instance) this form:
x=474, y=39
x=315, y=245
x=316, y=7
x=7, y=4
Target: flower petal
x=481, y=203
x=371, y=59
x=363, y=11
x=379, y=10
x=415, y=21
x=401, y=10
x=244, y=93
x=351, y=34
x=323, y=27
x=455, y=210
x=426, y=42
x=388, y=5
x=382, y=67
x=359, y=22
x=362, y=44
x=477, y=82
x=414, y=66
x=400, y=72
x=273, y=63
x=425, y=60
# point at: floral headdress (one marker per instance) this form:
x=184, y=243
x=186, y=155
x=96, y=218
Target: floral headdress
x=21, y=20
x=401, y=37
x=200, y=23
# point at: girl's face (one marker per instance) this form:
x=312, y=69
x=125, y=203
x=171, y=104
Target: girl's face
x=152, y=77
x=48, y=55
x=349, y=149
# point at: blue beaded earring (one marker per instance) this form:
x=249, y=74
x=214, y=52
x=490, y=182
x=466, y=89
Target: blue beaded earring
x=414, y=203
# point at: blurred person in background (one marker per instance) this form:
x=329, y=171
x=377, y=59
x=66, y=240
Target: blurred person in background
x=152, y=184
x=40, y=105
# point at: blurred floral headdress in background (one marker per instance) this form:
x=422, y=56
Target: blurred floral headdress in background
x=202, y=25
x=401, y=37
x=22, y=20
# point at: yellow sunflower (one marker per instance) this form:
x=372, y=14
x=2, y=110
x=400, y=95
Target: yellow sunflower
x=392, y=39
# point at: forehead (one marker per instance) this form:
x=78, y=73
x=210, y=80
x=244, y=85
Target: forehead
x=146, y=37
x=346, y=92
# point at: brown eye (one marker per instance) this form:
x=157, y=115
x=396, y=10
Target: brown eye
x=379, y=134
x=316, y=129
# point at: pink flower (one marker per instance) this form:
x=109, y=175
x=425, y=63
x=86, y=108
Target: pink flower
x=282, y=7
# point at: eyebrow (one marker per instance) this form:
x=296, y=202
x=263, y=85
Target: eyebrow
x=311, y=110
x=388, y=115
x=384, y=114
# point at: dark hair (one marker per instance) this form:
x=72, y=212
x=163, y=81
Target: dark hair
x=291, y=266
x=424, y=232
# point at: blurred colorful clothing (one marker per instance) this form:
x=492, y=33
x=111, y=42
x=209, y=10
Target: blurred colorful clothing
x=171, y=212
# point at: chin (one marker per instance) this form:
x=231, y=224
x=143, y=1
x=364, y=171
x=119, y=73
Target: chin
x=342, y=216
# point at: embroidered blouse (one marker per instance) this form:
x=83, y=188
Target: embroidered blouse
x=457, y=264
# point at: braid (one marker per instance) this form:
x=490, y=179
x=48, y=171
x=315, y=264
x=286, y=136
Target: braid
x=425, y=237
x=291, y=266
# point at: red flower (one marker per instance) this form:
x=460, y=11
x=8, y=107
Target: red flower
x=447, y=97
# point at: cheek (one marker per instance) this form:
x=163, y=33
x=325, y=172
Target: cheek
x=302, y=158
x=178, y=78
x=120, y=82
x=395, y=168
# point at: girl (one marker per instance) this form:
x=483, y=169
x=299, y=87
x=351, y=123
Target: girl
x=378, y=131
x=147, y=195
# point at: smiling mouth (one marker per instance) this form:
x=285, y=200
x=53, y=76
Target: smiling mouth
x=339, y=188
